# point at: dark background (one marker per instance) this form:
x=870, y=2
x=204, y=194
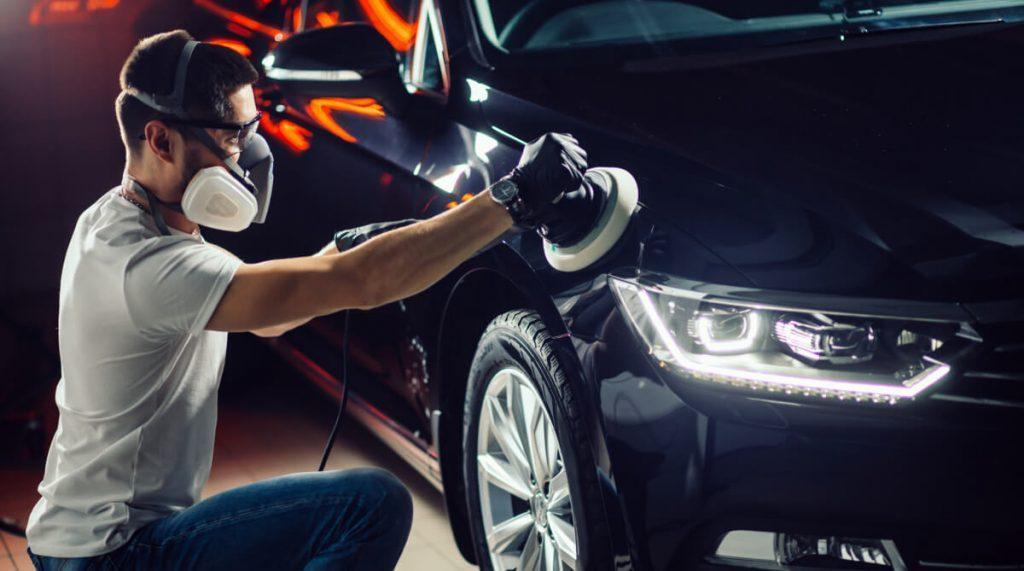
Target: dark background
x=60, y=150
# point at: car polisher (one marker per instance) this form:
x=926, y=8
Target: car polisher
x=586, y=223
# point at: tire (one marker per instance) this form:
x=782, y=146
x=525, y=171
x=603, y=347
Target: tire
x=524, y=518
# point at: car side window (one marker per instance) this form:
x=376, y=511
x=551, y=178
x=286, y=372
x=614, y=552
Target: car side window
x=428, y=64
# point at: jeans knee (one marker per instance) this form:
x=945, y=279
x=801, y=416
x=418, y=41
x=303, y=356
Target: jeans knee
x=395, y=505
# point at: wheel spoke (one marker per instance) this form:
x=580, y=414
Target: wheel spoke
x=550, y=554
x=501, y=474
x=558, y=492
x=508, y=536
x=507, y=436
x=529, y=559
x=521, y=410
x=539, y=446
x=551, y=446
x=565, y=539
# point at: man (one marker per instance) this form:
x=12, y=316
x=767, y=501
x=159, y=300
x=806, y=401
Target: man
x=145, y=304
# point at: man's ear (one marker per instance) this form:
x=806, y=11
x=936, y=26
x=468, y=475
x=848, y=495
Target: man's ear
x=161, y=140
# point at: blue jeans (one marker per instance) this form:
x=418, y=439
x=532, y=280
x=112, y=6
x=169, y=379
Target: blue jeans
x=352, y=519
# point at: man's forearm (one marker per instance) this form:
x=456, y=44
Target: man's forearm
x=400, y=262
x=407, y=260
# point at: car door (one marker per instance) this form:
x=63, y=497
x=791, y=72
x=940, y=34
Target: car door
x=359, y=164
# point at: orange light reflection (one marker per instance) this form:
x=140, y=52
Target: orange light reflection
x=64, y=5
x=393, y=27
x=234, y=45
x=327, y=19
x=320, y=110
x=290, y=134
x=236, y=29
x=62, y=10
x=240, y=19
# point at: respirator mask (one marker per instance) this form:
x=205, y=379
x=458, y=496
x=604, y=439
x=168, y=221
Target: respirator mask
x=224, y=197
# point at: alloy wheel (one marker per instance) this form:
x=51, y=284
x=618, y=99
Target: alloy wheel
x=524, y=489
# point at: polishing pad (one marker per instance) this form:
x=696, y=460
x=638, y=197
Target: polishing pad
x=611, y=223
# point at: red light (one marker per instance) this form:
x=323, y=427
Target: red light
x=296, y=19
x=102, y=4
x=320, y=110
x=393, y=27
x=234, y=45
x=240, y=19
x=385, y=179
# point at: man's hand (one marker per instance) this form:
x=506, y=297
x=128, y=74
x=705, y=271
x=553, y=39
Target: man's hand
x=550, y=166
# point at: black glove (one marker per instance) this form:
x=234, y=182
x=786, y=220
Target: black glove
x=550, y=165
x=351, y=237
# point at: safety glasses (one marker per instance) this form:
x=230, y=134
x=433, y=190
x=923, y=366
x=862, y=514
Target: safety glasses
x=243, y=132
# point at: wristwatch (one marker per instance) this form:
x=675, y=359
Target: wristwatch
x=506, y=193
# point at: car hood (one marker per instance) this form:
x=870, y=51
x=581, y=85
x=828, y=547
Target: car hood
x=886, y=171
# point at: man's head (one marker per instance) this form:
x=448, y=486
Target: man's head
x=163, y=153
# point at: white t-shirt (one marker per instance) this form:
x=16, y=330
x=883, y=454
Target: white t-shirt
x=139, y=376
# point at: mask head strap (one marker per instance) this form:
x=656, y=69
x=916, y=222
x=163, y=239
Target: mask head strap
x=173, y=104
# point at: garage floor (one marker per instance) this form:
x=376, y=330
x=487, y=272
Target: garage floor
x=267, y=429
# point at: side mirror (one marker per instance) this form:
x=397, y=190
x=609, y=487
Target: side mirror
x=349, y=60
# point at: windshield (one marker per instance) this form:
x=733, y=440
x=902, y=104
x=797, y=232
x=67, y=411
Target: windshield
x=515, y=25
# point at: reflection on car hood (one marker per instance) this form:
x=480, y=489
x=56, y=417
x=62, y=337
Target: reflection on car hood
x=890, y=171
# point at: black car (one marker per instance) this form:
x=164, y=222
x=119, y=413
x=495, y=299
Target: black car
x=804, y=353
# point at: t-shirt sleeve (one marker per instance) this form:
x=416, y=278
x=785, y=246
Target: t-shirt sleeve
x=173, y=288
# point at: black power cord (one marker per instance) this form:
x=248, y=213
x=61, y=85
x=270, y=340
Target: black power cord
x=344, y=394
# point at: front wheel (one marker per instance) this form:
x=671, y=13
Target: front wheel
x=531, y=482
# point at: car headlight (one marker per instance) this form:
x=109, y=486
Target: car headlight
x=792, y=351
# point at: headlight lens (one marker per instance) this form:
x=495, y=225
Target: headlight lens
x=795, y=352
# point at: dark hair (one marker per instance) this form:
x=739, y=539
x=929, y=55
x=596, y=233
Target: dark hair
x=214, y=73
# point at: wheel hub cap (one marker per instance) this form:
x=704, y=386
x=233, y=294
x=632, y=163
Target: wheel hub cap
x=539, y=507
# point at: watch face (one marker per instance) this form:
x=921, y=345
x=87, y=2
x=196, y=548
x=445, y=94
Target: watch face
x=504, y=190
